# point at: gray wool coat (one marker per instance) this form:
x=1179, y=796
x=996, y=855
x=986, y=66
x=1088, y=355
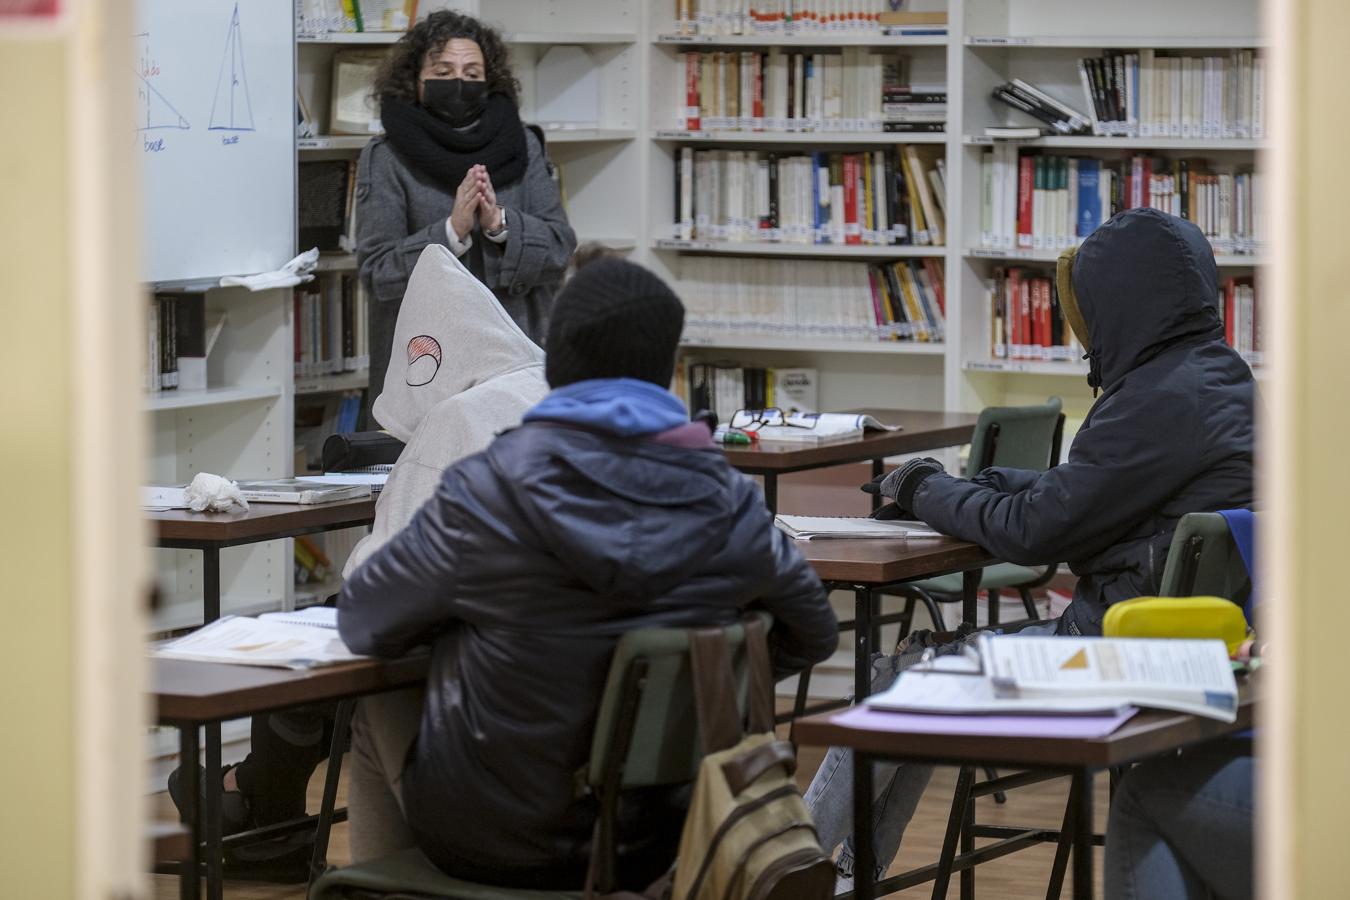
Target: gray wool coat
x=399, y=212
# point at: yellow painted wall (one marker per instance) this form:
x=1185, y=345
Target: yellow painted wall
x=37, y=751
x=1306, y=789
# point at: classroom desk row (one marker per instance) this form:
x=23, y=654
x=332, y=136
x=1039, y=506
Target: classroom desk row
x=190, y=696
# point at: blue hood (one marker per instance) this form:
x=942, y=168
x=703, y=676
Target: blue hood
x=623, y=407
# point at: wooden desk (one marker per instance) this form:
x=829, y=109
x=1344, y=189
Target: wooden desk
x=919, y=430
x=188, y=695
x=1149, y=733
x=866, y=565
x=183, y=529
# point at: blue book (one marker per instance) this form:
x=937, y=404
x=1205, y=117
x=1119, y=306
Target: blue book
x=1089, y=200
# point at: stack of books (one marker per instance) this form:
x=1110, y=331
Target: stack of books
x=1026, y=321
x=1032, y=201
x=842, y=90
x=326, y=16
x=868, y=198
x=836, y=301
x=330, y=326
x=1146, y=93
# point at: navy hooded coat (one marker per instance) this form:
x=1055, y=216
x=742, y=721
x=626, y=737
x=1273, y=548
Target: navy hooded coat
x=1171, y=433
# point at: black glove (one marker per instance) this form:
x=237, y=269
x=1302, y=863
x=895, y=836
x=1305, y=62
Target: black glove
x=891, y=512
x=900, y=484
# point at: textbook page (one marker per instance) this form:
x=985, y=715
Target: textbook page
x=255, y=642
x=1192, y=676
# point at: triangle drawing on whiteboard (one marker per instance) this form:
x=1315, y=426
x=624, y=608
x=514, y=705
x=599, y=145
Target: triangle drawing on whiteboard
x=159, y=112
x=1078, y=661
x=232, y=110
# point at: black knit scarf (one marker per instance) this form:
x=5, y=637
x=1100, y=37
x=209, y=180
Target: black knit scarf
x=444, y=154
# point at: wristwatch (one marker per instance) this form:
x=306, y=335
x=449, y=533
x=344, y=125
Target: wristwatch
x=503, y=225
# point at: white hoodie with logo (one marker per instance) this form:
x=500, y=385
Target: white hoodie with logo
x=461, y=371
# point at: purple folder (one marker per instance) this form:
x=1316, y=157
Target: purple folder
x=991, y=726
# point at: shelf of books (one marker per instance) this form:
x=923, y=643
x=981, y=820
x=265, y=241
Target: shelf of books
x=807, y=148
x=1059, y=130
x=323, y=384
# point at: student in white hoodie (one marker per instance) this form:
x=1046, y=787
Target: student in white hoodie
x=467, y=372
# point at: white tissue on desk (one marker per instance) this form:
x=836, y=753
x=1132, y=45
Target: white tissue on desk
x=213, y=493
x=294, y=272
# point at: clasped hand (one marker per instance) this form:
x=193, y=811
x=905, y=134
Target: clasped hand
x=475, y=201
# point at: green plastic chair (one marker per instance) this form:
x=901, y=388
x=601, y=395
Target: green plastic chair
x=1019, y=437
x=646, y=735
x=1203, y=560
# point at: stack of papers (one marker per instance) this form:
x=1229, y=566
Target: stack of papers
x=260, y=642
x=808, y=528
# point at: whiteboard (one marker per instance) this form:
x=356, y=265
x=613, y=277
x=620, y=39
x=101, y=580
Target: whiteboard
x=215, y=131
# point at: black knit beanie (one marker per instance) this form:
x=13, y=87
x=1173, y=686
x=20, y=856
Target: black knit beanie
x=613, y=319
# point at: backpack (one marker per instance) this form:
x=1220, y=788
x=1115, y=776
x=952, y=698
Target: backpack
x=748, y=835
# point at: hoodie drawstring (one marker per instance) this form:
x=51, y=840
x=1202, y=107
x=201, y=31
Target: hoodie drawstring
x=1094, y=378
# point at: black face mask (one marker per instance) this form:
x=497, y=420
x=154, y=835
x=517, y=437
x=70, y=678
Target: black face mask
x=456, y=101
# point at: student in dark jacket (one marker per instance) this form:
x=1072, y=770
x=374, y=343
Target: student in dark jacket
x=607, y=510
x=1171, y=433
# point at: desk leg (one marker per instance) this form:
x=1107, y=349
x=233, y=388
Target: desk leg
x=864, y=886
x=210, y=584
x=771, y=492
x=1082, y=836
x=970, y=593
x=189, y=872
x=215, y=862
x=878, y=466
x=341, y=725
x=862, y=642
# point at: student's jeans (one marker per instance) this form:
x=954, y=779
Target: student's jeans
x=1181, y=826
x=897, y=787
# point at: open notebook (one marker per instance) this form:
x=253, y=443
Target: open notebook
x=807, y=528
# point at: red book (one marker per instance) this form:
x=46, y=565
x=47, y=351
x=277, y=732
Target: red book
x=757, y=100
x=1024, y=314
x=935, y=277
x=692, y=120
x=1025, y=186
x=852, y=230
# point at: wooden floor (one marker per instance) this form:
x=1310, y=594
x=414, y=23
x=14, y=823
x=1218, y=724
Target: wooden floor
x=1021, y=876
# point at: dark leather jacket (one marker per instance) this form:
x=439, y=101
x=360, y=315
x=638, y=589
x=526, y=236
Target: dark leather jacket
x=531, y=560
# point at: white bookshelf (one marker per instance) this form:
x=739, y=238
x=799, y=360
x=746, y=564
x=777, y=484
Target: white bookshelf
x=832, y=251
x=1113, y=42
x=801, y=138
x=239, y=427
x=899, y=348
x=813, y=40
x=988, y=43
x=327, y=384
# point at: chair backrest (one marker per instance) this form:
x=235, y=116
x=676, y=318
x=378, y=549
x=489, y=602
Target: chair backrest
x=1018, y=437
x=1204, y=560
x=647, y=723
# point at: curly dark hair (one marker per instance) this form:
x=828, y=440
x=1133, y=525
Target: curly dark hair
x=398, y=73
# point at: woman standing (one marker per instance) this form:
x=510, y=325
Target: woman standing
x=456, y=167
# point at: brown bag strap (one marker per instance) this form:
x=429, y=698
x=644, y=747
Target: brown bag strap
x=746, y=768
x=719, y=721
x=761, y=676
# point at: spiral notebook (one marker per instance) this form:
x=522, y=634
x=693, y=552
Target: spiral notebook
x=809, y=528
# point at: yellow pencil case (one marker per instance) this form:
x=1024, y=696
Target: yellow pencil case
x=1177, y=617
